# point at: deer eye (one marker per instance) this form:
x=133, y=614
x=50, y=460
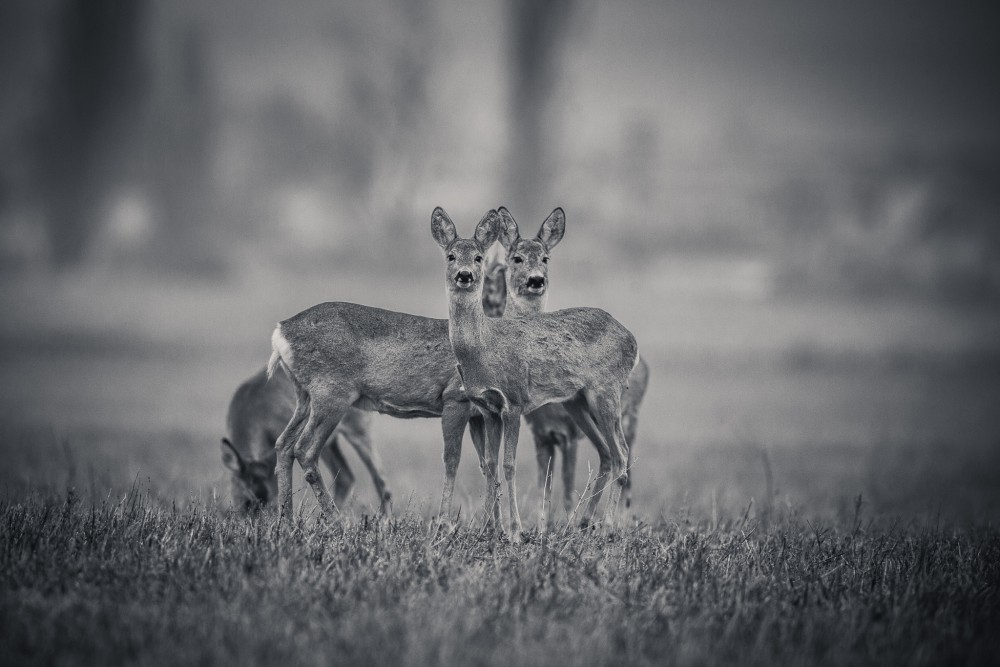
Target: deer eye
x=451, y=258
x=518, y=260
x=545, y=260
x=479, y=259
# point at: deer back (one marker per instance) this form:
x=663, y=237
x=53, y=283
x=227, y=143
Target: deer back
x=552, y=356
x=391, y=362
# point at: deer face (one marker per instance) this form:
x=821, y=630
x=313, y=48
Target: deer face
x=465, y=265
x=528, y=259
x=253, y=482
x=464, y=258
x=528, y=268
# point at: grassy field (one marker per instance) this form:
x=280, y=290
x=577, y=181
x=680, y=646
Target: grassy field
x=766, y=420
x=130, y=581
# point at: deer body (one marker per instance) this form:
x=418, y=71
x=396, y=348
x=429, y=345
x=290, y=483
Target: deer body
x=519, y=288
x=580, y=357
x=342, y=356
x=394, y=363
x=258, y=412
x=547, y=358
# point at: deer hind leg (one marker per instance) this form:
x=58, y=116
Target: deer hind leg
x=582, y=414
x=343, y=479
x=355, y=428
x=454, y=417
x=545, y=454
x=511, y=420
x=630, y=426
x=568, y=471
x=362, y=443
x=284, y=449
x=608, y=416
x=318, y=429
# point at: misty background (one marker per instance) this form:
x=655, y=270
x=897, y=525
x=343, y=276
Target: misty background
x=793, y=205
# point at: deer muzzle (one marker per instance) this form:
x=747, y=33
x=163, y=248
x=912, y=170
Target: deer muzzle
x=535, y=283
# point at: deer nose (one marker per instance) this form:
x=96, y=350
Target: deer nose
x=463, y=277
x=536, y=282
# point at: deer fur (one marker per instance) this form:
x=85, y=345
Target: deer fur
x=340, y=356
x=513, y=288
x=580, y=357
x=258, y=413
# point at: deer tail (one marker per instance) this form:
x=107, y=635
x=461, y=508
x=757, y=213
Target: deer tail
x=281, y=353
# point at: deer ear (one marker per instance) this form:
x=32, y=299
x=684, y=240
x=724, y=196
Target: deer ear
x=508, y=229
x=487, y=230
x=552, y=230
x=442, y=228
x=230, y=457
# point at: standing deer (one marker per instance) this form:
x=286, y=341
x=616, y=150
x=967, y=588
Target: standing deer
x=340, y=356
x=580, y=357
x=519, y=288
x=258, y=412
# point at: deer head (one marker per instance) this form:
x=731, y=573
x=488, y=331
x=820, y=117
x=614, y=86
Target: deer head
x=253, y=481
x=464, y=268
x=528, y=259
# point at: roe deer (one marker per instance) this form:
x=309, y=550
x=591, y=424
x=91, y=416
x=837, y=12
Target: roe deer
x=520, y=288
x=258, y=412
x=341, y=356
x=580, y=357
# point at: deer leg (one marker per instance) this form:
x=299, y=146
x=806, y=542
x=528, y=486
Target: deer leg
x=568, y=472
x=545, y=455
x=511, y=420
x=317, y=431
x=343, y=479
x=362, y=443
x=284, y=448
x=477, y=429
x=630, y=425
x=454, y=417
x=608, y=416
x=491, y=457
x=580, y=411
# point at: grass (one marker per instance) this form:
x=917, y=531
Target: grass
x=117, y=389
x=135, y=581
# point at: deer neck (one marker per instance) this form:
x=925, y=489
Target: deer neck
x=466, y=325
x=524, y=307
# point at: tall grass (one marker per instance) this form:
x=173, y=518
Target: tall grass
x=134, y=581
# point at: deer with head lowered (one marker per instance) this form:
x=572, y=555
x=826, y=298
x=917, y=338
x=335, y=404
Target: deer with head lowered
x=519, y=288
x=580, y=357
x=258, y=412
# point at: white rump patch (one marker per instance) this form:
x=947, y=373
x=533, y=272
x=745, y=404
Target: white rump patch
x=281, y=351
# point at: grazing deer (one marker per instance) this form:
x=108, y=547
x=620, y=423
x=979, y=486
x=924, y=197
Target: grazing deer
x=580, y=357
x=258, y=412
x=519, y=288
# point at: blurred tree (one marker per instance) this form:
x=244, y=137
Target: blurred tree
x=380, y=132
x=179, y=150
x=538, y=31
x=88, y=127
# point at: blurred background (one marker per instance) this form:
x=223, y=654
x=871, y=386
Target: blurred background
x=793, y=205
